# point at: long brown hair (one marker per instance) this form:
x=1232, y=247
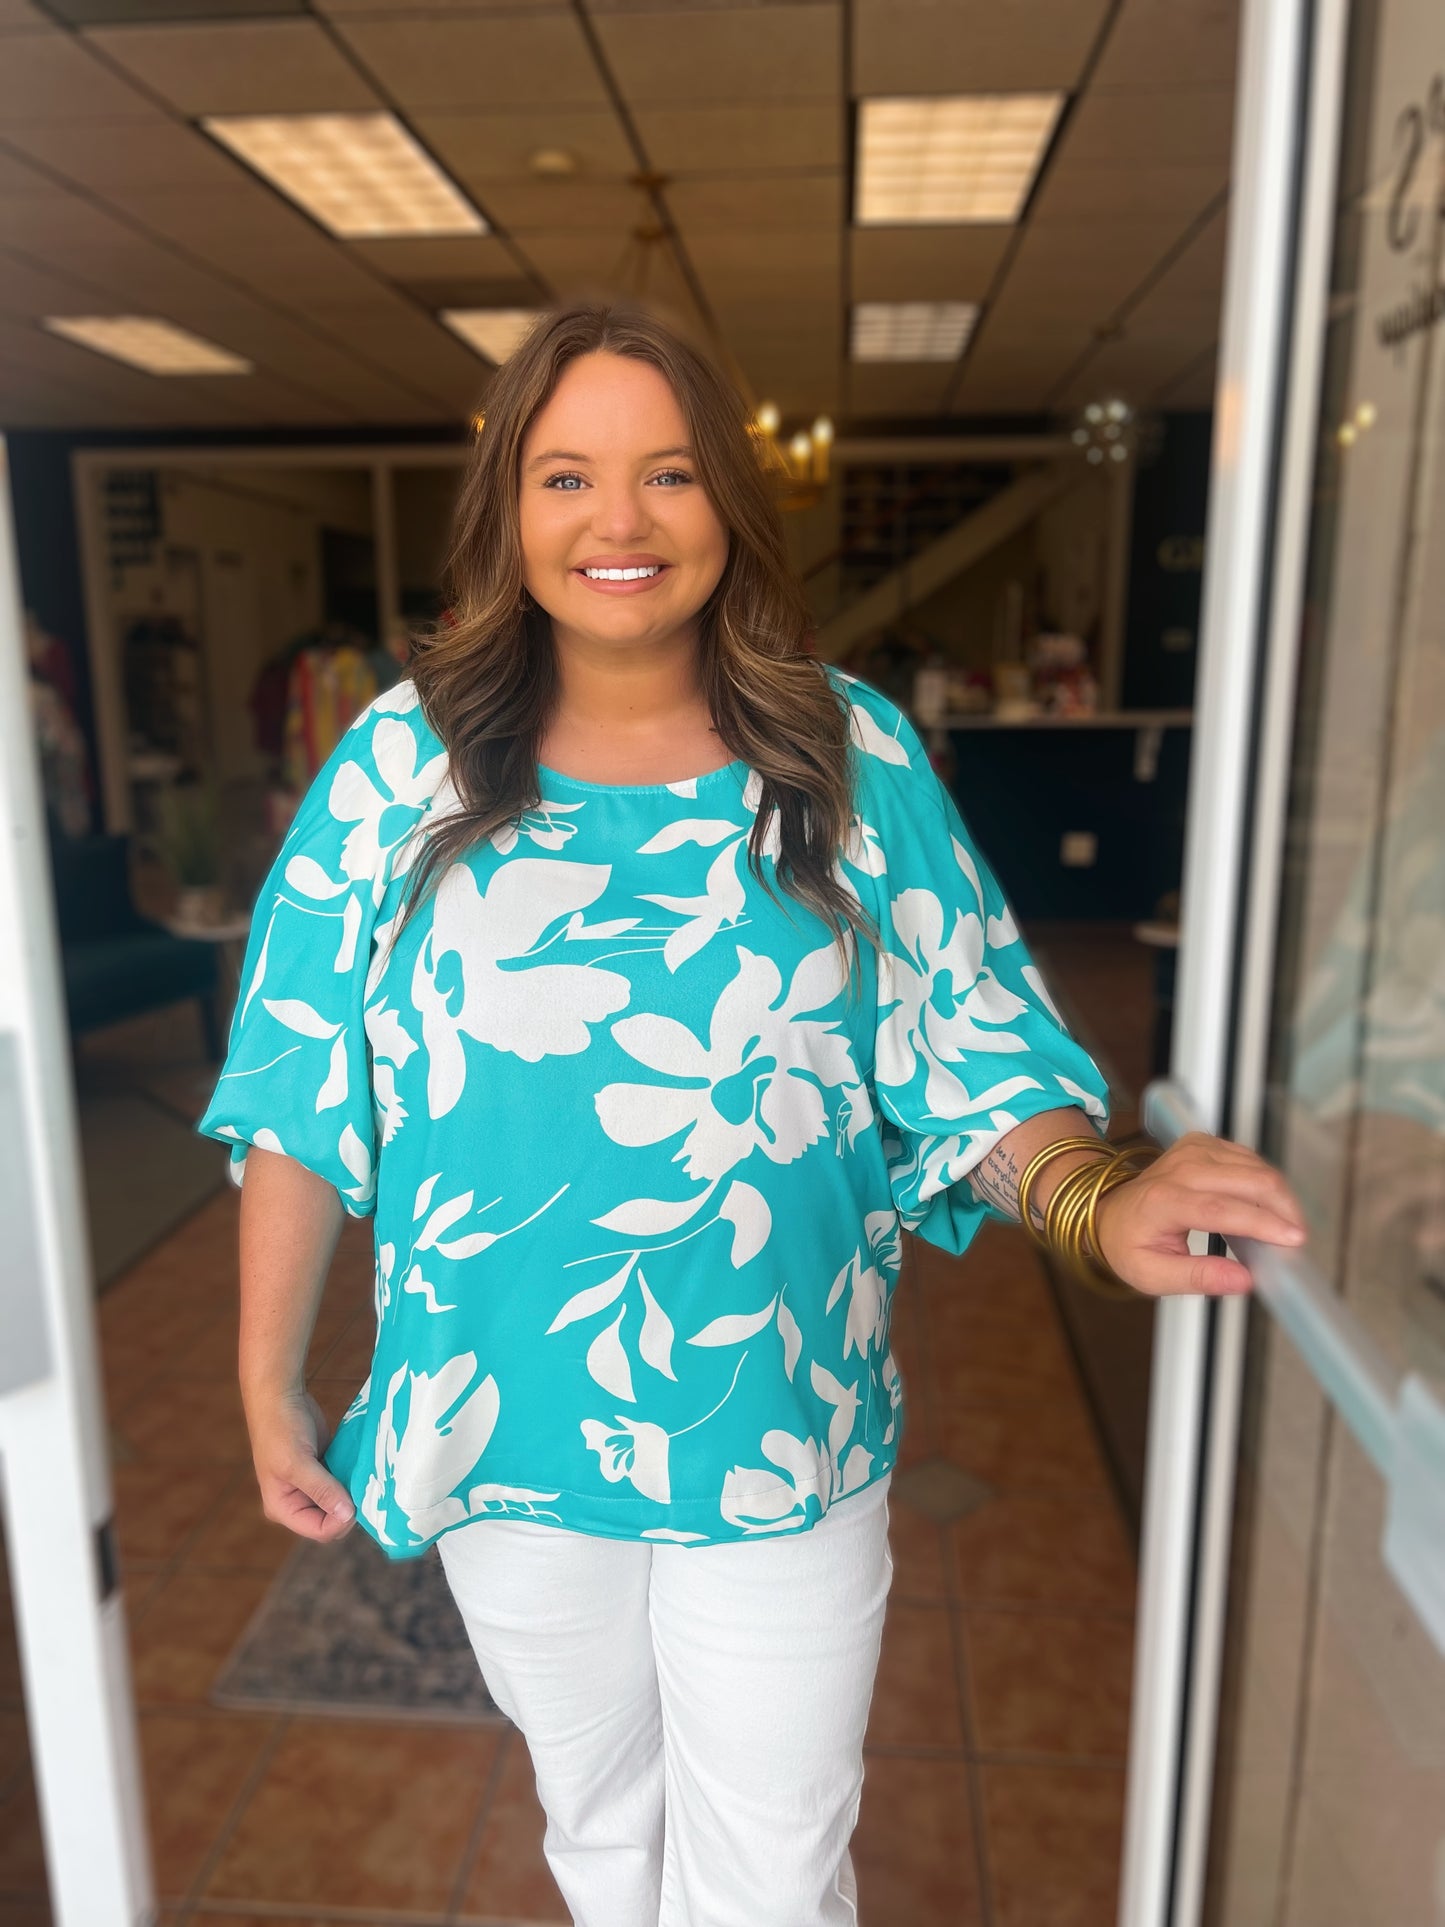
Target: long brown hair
x=488, y=679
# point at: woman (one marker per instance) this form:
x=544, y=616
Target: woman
x=633, y=968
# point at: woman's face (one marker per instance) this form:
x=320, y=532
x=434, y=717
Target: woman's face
x=608, y=482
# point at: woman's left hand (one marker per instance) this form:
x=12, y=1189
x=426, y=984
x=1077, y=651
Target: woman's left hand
x=1201, y=1183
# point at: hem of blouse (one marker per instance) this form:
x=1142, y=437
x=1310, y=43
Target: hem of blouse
x=523, y=1513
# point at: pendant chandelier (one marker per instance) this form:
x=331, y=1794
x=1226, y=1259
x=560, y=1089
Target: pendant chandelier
x=799, y=466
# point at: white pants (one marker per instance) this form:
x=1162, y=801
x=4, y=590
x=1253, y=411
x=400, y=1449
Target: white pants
x=695, y=1715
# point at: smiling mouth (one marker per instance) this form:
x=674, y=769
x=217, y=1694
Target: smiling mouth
x=624, y=582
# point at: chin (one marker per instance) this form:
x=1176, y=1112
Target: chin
x=627, y=614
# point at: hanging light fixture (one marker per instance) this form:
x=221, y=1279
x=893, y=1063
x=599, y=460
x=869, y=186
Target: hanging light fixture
x=801, y=466
x=1106, y=433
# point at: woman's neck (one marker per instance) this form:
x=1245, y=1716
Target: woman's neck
x=630, y=715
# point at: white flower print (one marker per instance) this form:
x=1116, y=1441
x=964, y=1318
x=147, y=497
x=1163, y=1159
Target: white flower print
x=546, y=826
x=923, y=1166
x=382, y=817
x=373, y=1501
x=459, y=985
x=396, y=701
x=893, y=1385
x=723, y=895
x=631, y=1449
x=863, y=850
x=385, y=1265
x=942, y=994
x=391, y=1046
x=607, y=1359
x=871, y=739
x=754, y=1500
x=754, y=1086
x=444, y=1436
x=867, y=1284
x=356, y=1157
x=637, y=1450
x=721, y=902
x=447, y=1429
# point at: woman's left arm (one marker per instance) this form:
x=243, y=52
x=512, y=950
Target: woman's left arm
x=1201, y=1183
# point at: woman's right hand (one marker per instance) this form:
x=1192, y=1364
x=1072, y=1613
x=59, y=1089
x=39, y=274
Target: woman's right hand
x=288, y=1435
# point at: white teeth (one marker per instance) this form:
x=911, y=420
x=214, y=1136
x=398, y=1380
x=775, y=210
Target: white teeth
x=619, y=575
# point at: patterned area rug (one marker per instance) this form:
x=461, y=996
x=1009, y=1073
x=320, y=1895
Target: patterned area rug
x=348, y=1632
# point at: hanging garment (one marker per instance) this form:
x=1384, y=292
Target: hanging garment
x=326, y=690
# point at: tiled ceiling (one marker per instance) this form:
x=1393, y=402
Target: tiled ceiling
x=112, y=201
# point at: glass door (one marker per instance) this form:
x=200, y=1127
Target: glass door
x=1293, y=1694
x=1329, y=1794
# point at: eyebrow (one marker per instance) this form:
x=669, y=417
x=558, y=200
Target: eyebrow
x=571, y=455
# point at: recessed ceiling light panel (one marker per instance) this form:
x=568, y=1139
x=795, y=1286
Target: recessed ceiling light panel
x=911, y=330
x=143, y=341
x=960, y=157
x=362, y=176
x=493, y=332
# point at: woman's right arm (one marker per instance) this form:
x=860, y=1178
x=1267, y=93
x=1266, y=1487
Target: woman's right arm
x=290, y=1221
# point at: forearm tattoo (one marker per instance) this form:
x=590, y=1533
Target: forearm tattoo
x=996, y=1182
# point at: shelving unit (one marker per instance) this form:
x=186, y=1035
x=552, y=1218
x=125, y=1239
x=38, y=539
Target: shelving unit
x=892, y=510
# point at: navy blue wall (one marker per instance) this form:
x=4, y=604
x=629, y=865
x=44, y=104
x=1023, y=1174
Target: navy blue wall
x=1021, y=790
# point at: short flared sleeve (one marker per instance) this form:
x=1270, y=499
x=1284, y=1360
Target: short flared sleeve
x=298, y=1076
x=968, y=1042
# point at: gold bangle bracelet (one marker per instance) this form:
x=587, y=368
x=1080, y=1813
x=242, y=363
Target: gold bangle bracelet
x=1069, y=1249
x=1090, y=1264
x=1069, y=1198
x=1037, y=1163
x=1084, y=1250
x=1069, y=1221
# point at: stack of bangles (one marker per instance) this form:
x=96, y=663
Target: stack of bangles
x=1070, y=1219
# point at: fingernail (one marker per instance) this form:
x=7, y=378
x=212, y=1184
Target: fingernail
x=343, y=1509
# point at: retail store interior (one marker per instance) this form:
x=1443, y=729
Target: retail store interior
x=966, y=264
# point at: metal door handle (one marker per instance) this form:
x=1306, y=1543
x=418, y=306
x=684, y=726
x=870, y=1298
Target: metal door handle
x=1398, y=1421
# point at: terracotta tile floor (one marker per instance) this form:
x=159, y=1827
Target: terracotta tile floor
x=995, y=1765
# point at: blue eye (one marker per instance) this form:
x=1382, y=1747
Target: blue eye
x=552, y=480
x=679, y=473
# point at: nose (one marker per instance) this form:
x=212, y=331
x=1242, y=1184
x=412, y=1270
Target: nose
x=619, y=513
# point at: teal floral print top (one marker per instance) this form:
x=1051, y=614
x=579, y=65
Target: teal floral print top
x=638, y=1164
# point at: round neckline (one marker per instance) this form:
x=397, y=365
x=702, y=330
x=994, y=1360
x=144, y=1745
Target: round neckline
x=546, y=774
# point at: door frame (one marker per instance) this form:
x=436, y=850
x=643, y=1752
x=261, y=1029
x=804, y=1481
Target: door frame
x=1286, y=148
x=55, y=1479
